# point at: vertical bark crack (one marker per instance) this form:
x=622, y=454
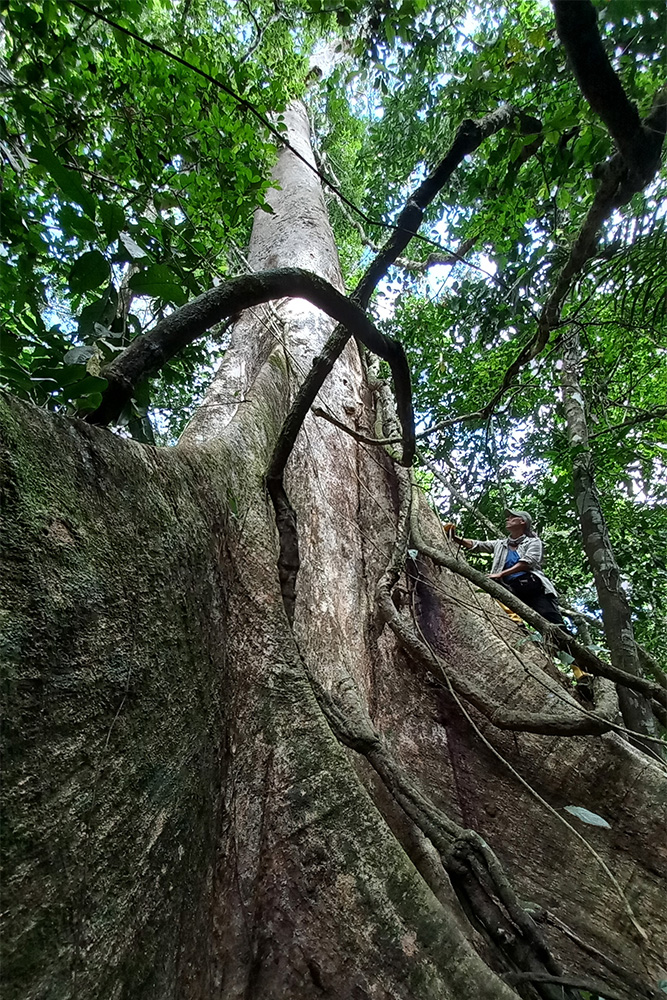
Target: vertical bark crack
x=288, y=559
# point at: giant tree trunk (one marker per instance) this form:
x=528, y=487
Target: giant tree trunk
x=181, y=820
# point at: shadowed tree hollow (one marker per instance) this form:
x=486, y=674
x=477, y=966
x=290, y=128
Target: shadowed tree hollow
x=267, y=734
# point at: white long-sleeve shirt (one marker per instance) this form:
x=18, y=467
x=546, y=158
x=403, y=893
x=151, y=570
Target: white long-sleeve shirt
x=530, y=550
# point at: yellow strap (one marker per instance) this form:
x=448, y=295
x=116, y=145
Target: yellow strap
x=512, y=614
x=577, y=671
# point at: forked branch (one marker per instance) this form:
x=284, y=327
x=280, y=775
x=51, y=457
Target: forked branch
x=639, y=143
x=469, y=136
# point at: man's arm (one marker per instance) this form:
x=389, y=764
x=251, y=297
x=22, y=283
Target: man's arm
x=467, y=543
x=519, y=567
x=532, y=553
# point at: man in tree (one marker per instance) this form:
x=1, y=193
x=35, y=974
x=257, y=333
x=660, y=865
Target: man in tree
x=517, y=564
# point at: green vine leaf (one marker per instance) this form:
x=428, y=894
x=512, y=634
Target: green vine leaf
x=89, y=271
x=158, y=282
x=67, y=180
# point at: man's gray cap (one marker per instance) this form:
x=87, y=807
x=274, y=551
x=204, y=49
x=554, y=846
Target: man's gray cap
x=524, y=515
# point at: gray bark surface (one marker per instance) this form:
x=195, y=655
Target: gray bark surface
x=182, y=822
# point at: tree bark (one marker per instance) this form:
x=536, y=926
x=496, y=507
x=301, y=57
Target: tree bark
x=182, y=820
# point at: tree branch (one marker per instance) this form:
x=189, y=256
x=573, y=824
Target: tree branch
x=477, y=514
x=497, y=714
x=618, y=183
x=260, y=29
x=242, y=102
x=476, y=873
x=618, y=971
x=639, y=144
x=366, y=439
x=441, y=259
x=582, y=250
x=321, y=367
x=469, y=136
x=648, y=661
x=445, y=256
x=471, y=863
x=357, y=435
x=450, y=421
x=146, y=355
x=616, y=612
x=657, y=414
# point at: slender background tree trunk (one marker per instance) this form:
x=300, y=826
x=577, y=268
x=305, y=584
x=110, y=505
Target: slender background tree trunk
x=616, y=614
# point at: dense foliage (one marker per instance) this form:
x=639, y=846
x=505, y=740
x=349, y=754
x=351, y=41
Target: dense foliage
x=130, y=180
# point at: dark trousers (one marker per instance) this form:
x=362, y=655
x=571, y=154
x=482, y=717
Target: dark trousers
x=530, y=590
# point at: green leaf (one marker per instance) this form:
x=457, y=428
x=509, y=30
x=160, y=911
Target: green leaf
x=158, y=282
x=68, y=181
x=98, y=313
x=113, y=220
x=90, y=385
x=15, y=374
x=89, y=271
x=563, y=198
x=142, y=394
x=88, y=403
x=81, y=225
x=78, y=355
x=11, y=345
x=134, y=251
x=564, y=657
x=62, y=376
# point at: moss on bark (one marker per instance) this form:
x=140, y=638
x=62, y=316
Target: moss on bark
x=180, y=821
x=113, y=632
